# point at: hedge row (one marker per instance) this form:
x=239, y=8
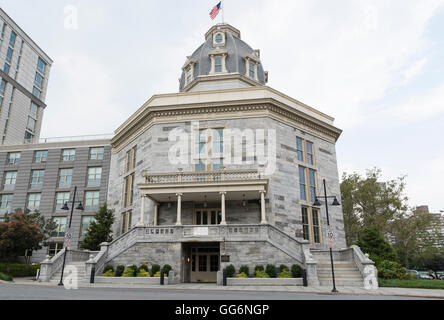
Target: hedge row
x=20, y=270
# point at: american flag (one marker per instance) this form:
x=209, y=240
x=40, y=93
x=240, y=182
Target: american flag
x=215, y=11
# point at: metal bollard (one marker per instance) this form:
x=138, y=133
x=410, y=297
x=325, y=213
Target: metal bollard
x=93, y=274
x=224, y=281
x=304, y=278
x=162, y=277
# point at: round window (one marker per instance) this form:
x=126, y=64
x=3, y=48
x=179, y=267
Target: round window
x=219, y=38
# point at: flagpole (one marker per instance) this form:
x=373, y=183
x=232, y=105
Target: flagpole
x=223, y=11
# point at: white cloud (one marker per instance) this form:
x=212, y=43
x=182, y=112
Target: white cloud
x=414, y=70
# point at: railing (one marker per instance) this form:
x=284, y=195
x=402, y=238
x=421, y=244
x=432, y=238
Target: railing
x=50, y=266
x=204, y=176
x=75, y=138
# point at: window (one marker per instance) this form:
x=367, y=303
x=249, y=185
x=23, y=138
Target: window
x=33, y=202
x=92, y=200
x=128, y=191
x=10, y=180
x=40, y=156
x=54, y=249
x=14, y=158
x=12, y=39
x=130, y=162
x=214, y=263
x=41, y=66
x=203, y=263
x=86, y=222
x=33, y=110
x=219, y=38
x=305, y=151
x=36, y=92
x=60, y=231
x=209, y=144
x=218, y=64
x=31, y=124
x=2, y=87
x=37, y=177
x=29, y=137
x=65, y=178
x=9, y=55
x=69, y=155
x=311, y=225
x=61, y=199
x=125, y=225
x=6, y=68
x=94, y=177
x=6, y=203
x=302, y=184
x=252, y=70
x=38, y=81
x=310, y=176
x=96, y=153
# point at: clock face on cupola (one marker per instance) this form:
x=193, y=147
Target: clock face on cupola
x=224, y=61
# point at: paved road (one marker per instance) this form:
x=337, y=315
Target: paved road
x=24, y=292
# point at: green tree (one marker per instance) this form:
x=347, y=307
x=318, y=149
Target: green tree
x=100, y=230
x=371, y=241
x=369, y=202
x=21, y=232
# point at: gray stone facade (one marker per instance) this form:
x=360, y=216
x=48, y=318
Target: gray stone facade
x=50, y=186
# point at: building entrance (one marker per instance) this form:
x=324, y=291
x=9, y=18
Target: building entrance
x=202, y=262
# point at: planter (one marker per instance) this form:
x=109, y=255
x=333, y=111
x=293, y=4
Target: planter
x=129, y=281
x=264, y=282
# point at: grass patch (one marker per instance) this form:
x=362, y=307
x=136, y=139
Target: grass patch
x=419, y=284
x=5, y=277
x=17, y=270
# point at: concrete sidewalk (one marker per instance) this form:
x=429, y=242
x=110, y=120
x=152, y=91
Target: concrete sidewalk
x=402, y=292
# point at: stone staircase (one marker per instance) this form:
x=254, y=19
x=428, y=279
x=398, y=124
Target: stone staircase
x=347, y=274
x=80, y=275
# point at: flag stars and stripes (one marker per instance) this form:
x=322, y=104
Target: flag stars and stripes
x=216, y=10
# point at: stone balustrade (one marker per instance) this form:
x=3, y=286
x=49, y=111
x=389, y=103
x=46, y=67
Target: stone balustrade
x=207, y=176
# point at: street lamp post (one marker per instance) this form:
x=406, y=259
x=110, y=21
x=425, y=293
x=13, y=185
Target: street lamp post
x=330, y=235
x=68, y=234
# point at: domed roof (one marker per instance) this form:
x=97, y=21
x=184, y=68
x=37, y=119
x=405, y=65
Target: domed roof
x=237, y=53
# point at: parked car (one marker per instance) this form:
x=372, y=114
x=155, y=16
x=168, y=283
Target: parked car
x=416, y=273
x=426, y=276
x=441, y=276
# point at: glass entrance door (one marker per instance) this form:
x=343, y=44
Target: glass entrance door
x=204, y=264
x=204, y=217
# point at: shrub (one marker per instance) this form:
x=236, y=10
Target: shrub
x=108, y=268
x=261, y=274
x=283, y=267
x=119, y=271
x=390, y=270
x=296, y=271
x=242, y=275
x=258, y=268
x=244, y=269
x=157, y=275
x=409, y=276
x=5, y=277
x=108, y=273
x=128, y=273
x=17, y=270
x=135, y=269
x=155, y=268
x=143, y=267
x=285, y=274
x=271, y=270
x=230, y=271
x=167, y=268
x=143, y=274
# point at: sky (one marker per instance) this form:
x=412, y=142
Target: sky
x=376, y=66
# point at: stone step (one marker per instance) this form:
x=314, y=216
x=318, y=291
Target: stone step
x=341, y=276
x=341, y=283
x=336, y=263
x=324, y=268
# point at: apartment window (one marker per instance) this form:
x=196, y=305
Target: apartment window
x=6, y=203
x=9, y=55
x=2, y=87
x=33, y=110
x=65, y=178
x=305, y=151
x=92, y=200
x=10, y=180
x=36, y=92
x=40, y=156
x=61, y=199
x=38, y=81
x=311, y=225
x=41, y=66
x=33, y=202
x=128, y=191
x=94, y=177
x=96, y=153
x=54, y=249
x=6, y=68
x=3, y=31
x=37, y=177
x=12, y=39
x=60, y=231
x=218, y=64
x=29, y=137
x=86, y=222
x=69, y=155
x=14, y=158
x=125, y=224
x=130, y=159
x=31, y=124
x=302, y=184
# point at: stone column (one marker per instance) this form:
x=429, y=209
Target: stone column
x=156, y=214
x=263, y=214
x=142, y=213
x=224, y=220
x=179, y=209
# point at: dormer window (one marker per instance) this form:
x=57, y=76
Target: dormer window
x=188, y=69
x=218, y=64
x=218, y=61
x=252, y=70
x=219, y=39
x=251, y=65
